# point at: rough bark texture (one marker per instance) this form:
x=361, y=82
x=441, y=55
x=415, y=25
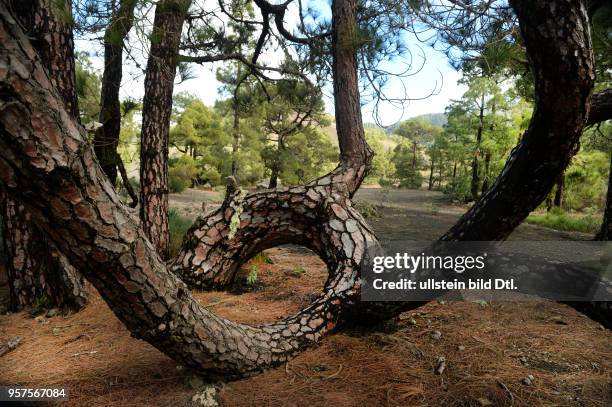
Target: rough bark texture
x=601, y=107
x=558, y=200
x=557, y=37
x=487, y=170
x=605, y=232
x=106, y=138
x=48, y=24
x=354, y=152
x=475, y=182
x=220, y=242
x=235, y=140
x=38, y=273
x=45, y=155
x=156, y=110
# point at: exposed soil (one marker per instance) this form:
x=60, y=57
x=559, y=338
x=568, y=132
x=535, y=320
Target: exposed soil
x=425, y=215
x=489, y=348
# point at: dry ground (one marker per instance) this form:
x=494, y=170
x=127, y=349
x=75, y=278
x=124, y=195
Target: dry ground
x=488, y=347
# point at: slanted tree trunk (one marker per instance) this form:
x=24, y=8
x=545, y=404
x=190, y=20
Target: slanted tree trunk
x=156, y=110
x=475, y=169
x=235, y=140
x=431, y=175
x=39, y=275
x=563, y=84
x=605, y=232
x=487, y=169
x=558, y=200
x=106, y=138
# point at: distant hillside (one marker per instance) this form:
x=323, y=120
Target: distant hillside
x=436, y=119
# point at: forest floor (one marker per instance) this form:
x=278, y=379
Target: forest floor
x=489, y=348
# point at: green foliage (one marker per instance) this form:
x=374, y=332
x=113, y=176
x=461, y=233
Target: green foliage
x=418, y=130
x=407, y=166
x=251, y=278
x=178, y=225
x=366, y=209
x=198, y=133
x=262, y=257
x=297, y=271
x=41, y=304
x=559, y=220
x=586, y=181
x=88, y=86
x=383, y=169
x=181, y=173
x=238, y=208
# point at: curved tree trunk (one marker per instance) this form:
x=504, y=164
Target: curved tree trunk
x=106, y=138
x=44, y=155
x=156, y=110
x=563, y=83
x=80, y=211
x=39, y=275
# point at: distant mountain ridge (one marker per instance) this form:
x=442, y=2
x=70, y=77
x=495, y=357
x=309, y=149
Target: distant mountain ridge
x=435, y=119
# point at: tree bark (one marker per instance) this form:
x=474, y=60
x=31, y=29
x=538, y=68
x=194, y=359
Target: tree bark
x=605, y=232
x=274, y=176
x=475, y=170
x=487, y=169
x=106, y=138
x=38, y=273
x=235, y=141
x=43, y=155
x=156, y=110
x=431, y=175
x=48, y=23
x=354, y=151
x=601, y=107
x=213, y=250
x=558, y=200
x=558, y=45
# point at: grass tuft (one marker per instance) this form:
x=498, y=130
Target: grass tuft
x=178, y=225
x=559, y=220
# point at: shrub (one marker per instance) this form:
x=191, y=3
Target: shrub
x=459, y=189
x=178, y=225
x=412, y=180
x=252, y=276
x=181, y=174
